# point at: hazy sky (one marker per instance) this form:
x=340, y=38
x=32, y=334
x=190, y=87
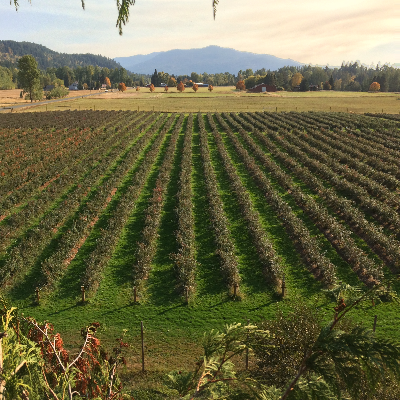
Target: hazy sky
x=311, y=31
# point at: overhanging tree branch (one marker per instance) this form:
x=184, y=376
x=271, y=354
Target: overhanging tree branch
x=123, y=10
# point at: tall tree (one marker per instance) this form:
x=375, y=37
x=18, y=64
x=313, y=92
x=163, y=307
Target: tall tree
x=6, y=78
x=155, y=79
x=172, y=81
x=296, y=79
x=304, y=85
x=332, y=82
x=29, y=77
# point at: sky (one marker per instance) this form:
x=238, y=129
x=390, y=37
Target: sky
x=317, y=32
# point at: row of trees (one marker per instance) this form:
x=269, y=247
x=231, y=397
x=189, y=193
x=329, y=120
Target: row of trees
x=349, y=77
x=87, y=77
x=221, y=79
x=32, y=81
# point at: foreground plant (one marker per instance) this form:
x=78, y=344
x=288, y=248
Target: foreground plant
x=341, y=360
x=296, y=358
x=215, y=370
x=35, y=365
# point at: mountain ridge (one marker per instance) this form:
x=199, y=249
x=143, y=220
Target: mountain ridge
x=210, y=59
x=11, y=51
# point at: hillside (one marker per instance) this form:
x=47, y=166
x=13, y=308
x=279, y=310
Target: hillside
x=11, y=51
x=211, y=59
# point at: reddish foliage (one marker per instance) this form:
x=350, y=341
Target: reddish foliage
x=241, y=85
x=121, y=87
x=180, y=87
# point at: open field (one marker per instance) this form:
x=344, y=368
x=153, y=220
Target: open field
x=9, y=98
x=227, y=99
x=196, y=205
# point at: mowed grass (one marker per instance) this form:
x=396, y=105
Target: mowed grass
x=173, y=329
x=228, y=99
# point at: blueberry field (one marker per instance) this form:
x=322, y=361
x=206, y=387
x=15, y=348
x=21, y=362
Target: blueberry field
x=188, y=221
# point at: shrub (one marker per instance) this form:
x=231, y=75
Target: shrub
x=121, y=87
x=241, y=85
x=375, y=87
x=180, y=87
x=57, y=93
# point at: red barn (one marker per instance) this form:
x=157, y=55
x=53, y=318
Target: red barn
x=262, y=87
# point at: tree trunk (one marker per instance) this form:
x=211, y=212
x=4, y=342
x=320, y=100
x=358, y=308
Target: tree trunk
x=2, y=383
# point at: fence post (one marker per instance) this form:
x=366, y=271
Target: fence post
x=37, y=295
x=247, y=349
x=283, y=286
x=141, y=330
x=2, y=382
x=235, y=286
x=83, y=293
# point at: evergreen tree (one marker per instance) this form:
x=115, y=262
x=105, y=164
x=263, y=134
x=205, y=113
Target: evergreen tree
x=155, y=79
x=332, y=82
x=304, y=85
x=383, y=83
x=270, y=79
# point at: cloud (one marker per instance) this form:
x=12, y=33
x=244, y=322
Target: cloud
x=311, y=32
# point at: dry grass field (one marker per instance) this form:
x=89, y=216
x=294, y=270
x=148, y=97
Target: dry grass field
x=9, y=98
x=222, y=99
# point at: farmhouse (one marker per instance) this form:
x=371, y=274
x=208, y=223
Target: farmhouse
x=262, y=87
x=74, y=86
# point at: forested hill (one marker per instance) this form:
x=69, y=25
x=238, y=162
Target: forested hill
x=11, y=51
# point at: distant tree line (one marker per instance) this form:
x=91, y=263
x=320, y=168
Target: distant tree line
x=220, y=79
x=88, y=77
x=348, y=77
